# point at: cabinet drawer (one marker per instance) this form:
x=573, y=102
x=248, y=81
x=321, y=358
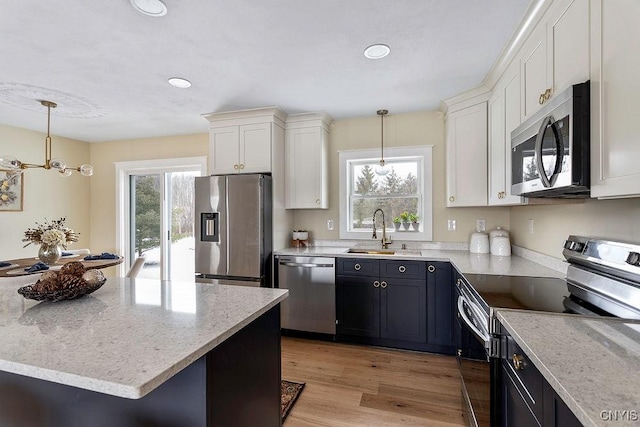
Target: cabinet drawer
x=358, y=267
x=526, y=377
x=403, y=269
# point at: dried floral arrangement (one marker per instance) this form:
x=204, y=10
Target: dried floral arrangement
x=50, y=233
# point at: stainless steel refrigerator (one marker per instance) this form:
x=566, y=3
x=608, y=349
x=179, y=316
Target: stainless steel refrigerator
x=233, y=229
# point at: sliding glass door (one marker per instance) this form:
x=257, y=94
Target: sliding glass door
x=156, y=216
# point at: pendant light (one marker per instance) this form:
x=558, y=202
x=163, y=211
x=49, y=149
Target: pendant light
x=16, y=166
x=382, y=169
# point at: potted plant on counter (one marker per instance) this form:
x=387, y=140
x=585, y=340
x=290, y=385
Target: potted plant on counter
x=404, y=217
x=396, y=223
x=414, y=221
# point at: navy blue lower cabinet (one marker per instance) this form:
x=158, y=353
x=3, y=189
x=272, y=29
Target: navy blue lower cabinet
x=440, y=314
x=407, y=305
x=358, y=306
x=514, y=412
x=556, y=412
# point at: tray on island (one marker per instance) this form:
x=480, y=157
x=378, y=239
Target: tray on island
x=60, y=294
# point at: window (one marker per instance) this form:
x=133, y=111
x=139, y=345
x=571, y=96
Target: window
x=406, y=187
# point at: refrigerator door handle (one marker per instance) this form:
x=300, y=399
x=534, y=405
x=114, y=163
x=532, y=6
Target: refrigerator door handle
x=226, y=207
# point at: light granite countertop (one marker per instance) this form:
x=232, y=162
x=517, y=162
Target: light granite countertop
x=126, y=338
x=593, y=363
x=464, y=261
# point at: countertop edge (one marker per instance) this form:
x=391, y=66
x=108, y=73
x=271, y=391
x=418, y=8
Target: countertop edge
x=133, y=391
x=577, y=410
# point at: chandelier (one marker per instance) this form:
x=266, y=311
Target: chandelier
x=16, y=166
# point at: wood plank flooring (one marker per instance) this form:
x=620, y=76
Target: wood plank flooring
x=351, y=385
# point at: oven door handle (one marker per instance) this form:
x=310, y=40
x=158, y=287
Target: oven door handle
x=461, y=302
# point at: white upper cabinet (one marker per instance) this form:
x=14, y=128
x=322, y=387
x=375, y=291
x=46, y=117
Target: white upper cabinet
x=242, y=141
x=504, y=116
x=568, y=35
x=615, y=95
x=533, y=69
x=467, y=156
x=307, y=161
x=556, y=54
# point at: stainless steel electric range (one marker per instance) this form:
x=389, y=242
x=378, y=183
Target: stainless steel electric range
x=603, y=279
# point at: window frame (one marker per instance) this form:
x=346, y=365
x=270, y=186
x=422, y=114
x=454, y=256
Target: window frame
x=345, y=184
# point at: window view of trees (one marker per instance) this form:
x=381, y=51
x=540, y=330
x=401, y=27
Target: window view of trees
x=394, y=193
x=148, y=209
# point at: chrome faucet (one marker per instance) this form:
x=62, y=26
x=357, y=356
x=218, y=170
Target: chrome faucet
x=385, y=239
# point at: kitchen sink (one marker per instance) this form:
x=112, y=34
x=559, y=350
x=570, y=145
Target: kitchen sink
x=372, y=251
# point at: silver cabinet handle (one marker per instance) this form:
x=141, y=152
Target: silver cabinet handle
x=376, y=284
x=241, y=165
x=235, y=167
x=306, y=265
x=383, y=285
x=317, y=201
x=431, y=269
x=357, y=267
x=402, y=269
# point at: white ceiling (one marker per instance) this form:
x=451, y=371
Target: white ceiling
x=302, y=56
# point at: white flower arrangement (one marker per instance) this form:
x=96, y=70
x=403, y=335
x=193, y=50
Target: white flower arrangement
x=51, y=233
x=54, y=237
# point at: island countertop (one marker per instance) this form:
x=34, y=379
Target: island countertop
x=126, y=338
x=593, y=363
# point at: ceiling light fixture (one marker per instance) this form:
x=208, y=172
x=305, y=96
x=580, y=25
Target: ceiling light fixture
x=382, y=169
x=16, y=166
x=149, y=7
x=179, y=82
x=377, y=51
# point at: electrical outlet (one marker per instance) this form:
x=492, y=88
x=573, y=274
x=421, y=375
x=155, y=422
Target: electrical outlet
x=451, y=225
x=481, y=224
x=329, y=224
x=530, y=225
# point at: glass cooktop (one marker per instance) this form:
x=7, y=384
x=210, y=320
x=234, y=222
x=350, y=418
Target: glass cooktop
x=520, y=292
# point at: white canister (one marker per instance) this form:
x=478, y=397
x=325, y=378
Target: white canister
x=501, y=246
x=479, y=243
x=496, y=232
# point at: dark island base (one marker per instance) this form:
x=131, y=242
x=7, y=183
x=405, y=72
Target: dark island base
x=236, y=384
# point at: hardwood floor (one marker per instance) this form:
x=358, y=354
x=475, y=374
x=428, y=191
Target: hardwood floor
x=351, y=385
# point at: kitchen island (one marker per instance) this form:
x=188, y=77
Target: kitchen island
x=142, y=353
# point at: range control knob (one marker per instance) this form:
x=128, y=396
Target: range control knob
x=634, y=259
x=573, y=246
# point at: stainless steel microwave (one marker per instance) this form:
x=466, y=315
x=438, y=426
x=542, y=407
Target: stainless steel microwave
x=550, y=150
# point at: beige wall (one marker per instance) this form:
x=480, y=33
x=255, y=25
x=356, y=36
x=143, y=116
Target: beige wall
x=47, y=194
x=401, y=130
x=611, y=219
x=103, y=183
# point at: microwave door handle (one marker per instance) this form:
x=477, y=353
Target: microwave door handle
x=538, y=151
x=461, y=301
x=559, y=153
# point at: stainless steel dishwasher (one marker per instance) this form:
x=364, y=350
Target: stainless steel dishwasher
x=311, y=305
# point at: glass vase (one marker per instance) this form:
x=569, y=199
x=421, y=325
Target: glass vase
x=49, y=254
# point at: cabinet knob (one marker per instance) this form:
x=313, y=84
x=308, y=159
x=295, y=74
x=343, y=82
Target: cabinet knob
x=459, y=282
x=451, y=198
x=235, y=167
x=541, y=99
x=402, y=269
x=357, y=267
x=431, y=268
x=383, y=285
x=518, y=362
x=241, y=165
x=317, y=201
x=547, y=94
x=459, y=352
x=376, y=284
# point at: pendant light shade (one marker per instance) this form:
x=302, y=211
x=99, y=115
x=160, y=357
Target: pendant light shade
x=382, y=169
x=57, y=164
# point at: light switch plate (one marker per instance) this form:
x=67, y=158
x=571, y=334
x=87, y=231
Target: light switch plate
x=530, y=225
x=451, y=225
x=481, y=225
x=329, y=224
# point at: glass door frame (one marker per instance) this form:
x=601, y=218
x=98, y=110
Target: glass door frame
x=124, y=171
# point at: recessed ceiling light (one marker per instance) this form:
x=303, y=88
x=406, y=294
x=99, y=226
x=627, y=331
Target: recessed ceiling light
x=377, y=51
x=179, y=82
x=149, y=7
